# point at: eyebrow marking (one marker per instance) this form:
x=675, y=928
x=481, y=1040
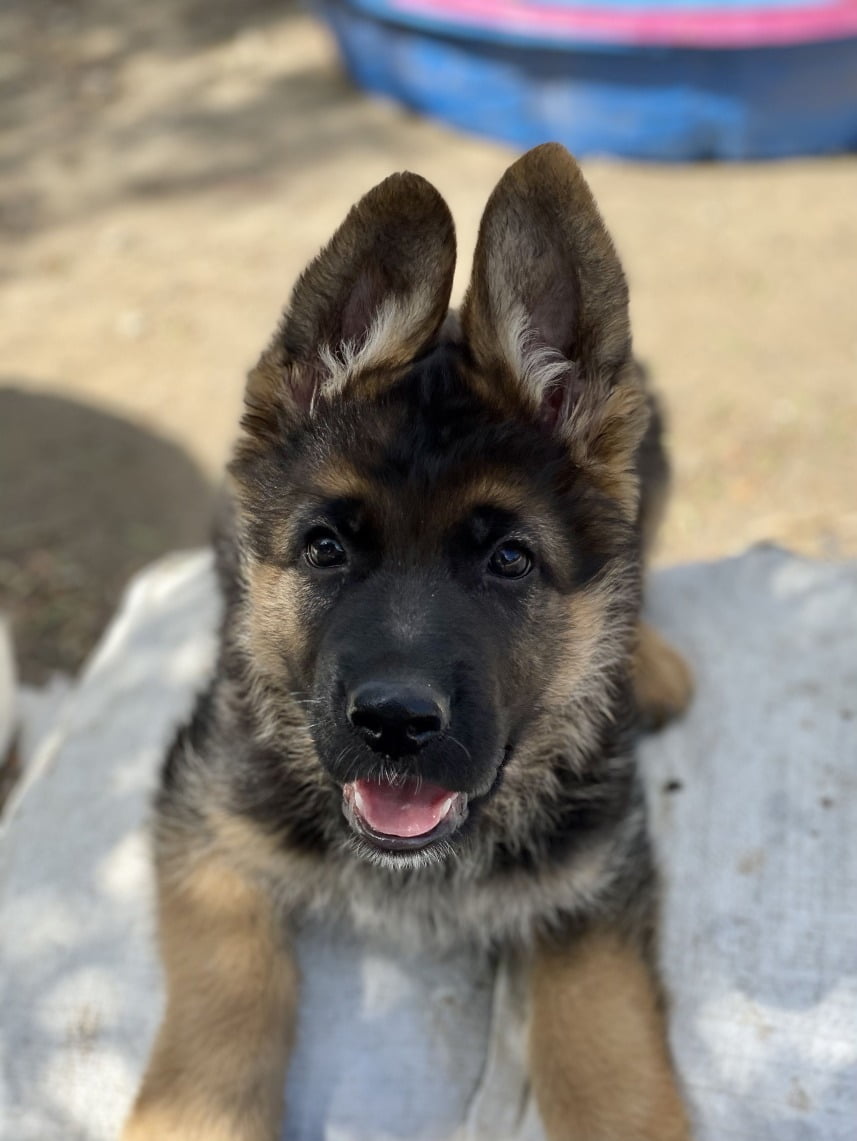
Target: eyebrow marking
x=337, y=479
x=493, y=493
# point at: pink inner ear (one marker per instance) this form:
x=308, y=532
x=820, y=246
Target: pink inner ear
x=560, y=397
x=553, y=403
x=304, y=384
x=554, y=307
x=361, y=305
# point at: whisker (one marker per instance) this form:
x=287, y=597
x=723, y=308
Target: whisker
x=461, y=746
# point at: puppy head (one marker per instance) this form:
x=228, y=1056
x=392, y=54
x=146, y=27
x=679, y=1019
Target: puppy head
x=436, y=523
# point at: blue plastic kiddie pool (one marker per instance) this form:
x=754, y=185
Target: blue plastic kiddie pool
x=682, y=79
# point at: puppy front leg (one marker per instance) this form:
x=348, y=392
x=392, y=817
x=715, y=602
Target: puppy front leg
x=599, y=1059
x=217, y=1071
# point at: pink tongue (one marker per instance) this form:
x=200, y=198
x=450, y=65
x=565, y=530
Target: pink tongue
x=408, y=809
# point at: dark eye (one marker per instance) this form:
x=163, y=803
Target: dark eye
x=324, y=550
x=511, y=560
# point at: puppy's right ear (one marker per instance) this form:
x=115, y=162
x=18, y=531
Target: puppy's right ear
x=369, y=303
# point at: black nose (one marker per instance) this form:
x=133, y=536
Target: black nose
x=396, y=718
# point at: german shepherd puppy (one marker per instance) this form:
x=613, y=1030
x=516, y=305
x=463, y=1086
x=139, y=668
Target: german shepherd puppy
x=424, y=709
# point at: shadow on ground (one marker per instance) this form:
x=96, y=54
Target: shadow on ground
x=86, y=499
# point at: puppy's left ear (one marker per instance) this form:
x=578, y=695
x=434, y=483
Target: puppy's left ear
x=546, y=316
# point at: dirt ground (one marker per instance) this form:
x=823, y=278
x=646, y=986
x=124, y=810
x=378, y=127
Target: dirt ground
x=167, y=169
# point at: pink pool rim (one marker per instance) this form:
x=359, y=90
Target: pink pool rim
x=703, y=26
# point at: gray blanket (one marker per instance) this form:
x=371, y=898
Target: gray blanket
x=754, y=810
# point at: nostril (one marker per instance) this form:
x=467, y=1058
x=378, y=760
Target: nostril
x=419, y=729
x=368, y=722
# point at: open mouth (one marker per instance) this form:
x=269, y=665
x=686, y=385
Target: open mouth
x=404, y=816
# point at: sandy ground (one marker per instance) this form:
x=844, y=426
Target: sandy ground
x=169, y=167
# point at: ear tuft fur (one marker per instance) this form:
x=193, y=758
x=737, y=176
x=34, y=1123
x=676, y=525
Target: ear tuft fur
x=547, y=378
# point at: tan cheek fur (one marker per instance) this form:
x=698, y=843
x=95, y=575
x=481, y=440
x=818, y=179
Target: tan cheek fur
x=274, y=625
x=584, y=623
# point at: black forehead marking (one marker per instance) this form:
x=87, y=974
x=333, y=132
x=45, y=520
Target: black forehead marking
x=440, y=416
x=347, y=513
x=444, y=427
x=486, y=522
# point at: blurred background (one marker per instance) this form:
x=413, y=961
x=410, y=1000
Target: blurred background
x=170, y=166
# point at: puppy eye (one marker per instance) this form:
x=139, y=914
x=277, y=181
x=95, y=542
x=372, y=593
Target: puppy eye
x=324, y=550
x=511, y=560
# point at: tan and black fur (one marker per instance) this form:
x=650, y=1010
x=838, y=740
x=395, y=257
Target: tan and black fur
x=418, y=445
